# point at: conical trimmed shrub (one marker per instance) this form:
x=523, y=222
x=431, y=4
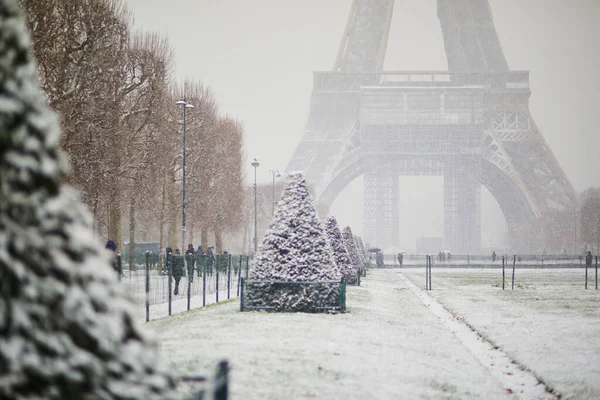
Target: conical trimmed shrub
x=295, y=248
x=352, y=251
x=67, y=329
x=340, y=252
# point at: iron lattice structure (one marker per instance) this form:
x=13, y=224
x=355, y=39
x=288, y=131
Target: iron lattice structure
x=470, y=124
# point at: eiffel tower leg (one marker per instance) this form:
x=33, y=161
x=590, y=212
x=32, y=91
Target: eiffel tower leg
x=381, y=213
x=462, y=219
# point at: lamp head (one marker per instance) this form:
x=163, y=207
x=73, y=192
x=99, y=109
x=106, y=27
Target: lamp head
x=254, y=163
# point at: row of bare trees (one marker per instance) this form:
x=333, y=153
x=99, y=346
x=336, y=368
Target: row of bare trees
x=122, y=131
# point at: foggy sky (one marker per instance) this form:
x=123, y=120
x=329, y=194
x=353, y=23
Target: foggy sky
x=258, y=57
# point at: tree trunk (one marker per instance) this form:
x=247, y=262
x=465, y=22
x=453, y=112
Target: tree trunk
x=219, y=241
x=114, y=221
x=132, y=233
x=161, y=222
x=190, y=232
x=204, y=238
x=172, y=224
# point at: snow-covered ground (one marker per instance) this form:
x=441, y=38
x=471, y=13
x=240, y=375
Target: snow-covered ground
x=389, y=345
x=549, y=323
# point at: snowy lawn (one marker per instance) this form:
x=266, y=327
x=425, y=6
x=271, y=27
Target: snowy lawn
x=388, y=345
x=549, y=323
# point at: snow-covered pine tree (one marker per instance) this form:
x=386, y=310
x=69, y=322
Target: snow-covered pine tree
x=352, y=251
x=67, y=329
x=295, y=249
x=361, y=251
x=340, y=253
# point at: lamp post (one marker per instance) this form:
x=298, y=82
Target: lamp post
x=255, y=164
x=185, y=106
x=275, y=174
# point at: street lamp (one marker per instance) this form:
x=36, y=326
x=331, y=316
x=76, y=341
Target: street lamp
x=185, y=106
x=276, y=174
x=255, y=164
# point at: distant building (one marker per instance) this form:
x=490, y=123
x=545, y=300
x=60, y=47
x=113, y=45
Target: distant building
x=429, y=245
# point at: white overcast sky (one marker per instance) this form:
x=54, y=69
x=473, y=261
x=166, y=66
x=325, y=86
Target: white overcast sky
x=258, y=57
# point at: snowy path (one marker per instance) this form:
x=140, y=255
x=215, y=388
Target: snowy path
x=512, y=376
x=549, y=323
x=388, y=346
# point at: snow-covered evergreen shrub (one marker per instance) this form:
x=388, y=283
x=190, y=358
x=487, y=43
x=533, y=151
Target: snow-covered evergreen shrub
x=295, y=249
x=363, y=251
x=67, y=329
x=340, y=252
x=352, y=252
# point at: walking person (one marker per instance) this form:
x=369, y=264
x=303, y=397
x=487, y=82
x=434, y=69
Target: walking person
x=178, y=270
x=588, y=259
x=190, y=261
x=400, y=258
x=209, y=260
x=493, y=256
x=112, y=247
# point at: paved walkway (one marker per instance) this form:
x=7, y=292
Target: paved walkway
x=389, y=345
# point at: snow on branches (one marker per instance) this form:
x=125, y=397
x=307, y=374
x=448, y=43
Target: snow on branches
x=294, y=269
x=353, y=253
x=340, y=252
x=67, y=330
x=295, y=247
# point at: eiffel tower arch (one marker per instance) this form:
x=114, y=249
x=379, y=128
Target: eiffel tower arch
x=470, y=124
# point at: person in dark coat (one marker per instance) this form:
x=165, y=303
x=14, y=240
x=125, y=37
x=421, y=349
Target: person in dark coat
x=493, y=256
x=200, y=250
x=112, y=246
x=588, y=259
x=209, y=260
x=165, y=267
x=190, y=249
x=178, y=270
x=400, y=258
x=190, y=261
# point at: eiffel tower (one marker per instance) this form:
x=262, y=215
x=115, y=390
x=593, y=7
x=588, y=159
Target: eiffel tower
x=470, y=124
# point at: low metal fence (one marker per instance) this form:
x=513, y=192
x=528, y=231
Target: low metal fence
x=280, y=296
x=485, y=260
x=184, y=282
x=514, y=263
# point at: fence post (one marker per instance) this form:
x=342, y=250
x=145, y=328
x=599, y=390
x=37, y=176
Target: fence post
x=242, y=294
x=586, y=272
x=239, y=275
x=502, y=272
x=216, y=263
x=170, y=277
x=204, y=281
x=119, y=266
x=147, y=286
x=229, y=276
x=513, y=274
x=222, y=382
x=247, y=265
x=430, y=263
x=190, y=276
x=426, y=272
